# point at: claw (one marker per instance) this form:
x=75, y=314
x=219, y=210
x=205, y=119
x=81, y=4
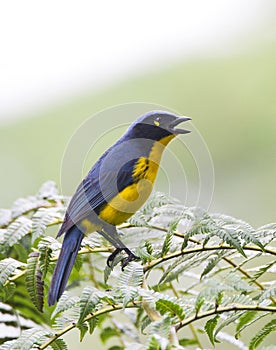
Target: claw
x=126, y=261
x=112, y=256
x=129, y=258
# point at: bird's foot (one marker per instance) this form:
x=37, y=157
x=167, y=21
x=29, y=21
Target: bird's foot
x=126, y=261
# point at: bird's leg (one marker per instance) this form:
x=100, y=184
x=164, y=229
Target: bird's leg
x=111, y=235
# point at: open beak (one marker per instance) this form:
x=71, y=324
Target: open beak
x=177, y=121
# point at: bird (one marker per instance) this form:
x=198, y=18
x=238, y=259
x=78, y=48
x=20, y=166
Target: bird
x=117, y=185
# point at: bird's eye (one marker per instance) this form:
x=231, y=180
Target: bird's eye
x=156, y=121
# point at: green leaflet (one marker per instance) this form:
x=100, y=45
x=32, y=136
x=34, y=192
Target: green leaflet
x=210, y=326
x=83, y=328
x=167, y=243
x=167, y=306
x=59, y=344
x=108, y=333
x=245, y=319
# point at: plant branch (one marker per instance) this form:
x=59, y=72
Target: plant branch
x=179, y=253
x=222, y=309
x=103, y=311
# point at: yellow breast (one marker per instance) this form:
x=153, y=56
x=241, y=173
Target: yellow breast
x=131, y=198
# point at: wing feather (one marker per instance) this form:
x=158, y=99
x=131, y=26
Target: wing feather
x=94, y=191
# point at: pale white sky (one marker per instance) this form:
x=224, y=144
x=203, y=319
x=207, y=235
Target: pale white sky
x=51, y=50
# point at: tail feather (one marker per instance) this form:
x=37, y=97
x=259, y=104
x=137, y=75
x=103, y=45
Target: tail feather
x=66, y=259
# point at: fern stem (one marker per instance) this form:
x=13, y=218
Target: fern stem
x=179, y=253
x=15, y=277
x=103, y=311
x=222, y=309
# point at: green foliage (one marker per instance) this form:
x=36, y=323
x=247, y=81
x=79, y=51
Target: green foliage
x=194, y=266
x=65, y=302
x=130, y=279
x=210, y=326
x=59, y=344
x=173, y=309
x=259, y=337
x=16, y=231
x=88, y=302
x=8, y=267
x=28, y=340
x=34, y=282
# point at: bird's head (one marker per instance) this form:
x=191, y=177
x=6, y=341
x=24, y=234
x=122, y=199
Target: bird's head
x=156, y=125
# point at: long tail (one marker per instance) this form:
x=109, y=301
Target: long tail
x=67, y=257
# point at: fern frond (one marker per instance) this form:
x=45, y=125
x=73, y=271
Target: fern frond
x=88, y=301
x=7, y=292
x=29, y=339
x=92, y=324
x=17, y=230
x=192, y=260
x=267, y=293
x=167, y=243
x=231, y=237
x=266, y=233
x=5, y=217
x=62, y=322
x=44, y=217
x=8, y=267
x=261, y=270
x=34, y=282
x=262, y=334
x=66, y=302
x=45, y=247
x=230, y=319
x=213, y=262
x=129, y=280
x=25, y=205
x=48, y=190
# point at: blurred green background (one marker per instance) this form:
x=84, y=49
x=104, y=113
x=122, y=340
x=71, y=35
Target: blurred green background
x=231, y=100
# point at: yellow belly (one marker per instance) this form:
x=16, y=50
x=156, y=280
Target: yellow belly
x=126, y=203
